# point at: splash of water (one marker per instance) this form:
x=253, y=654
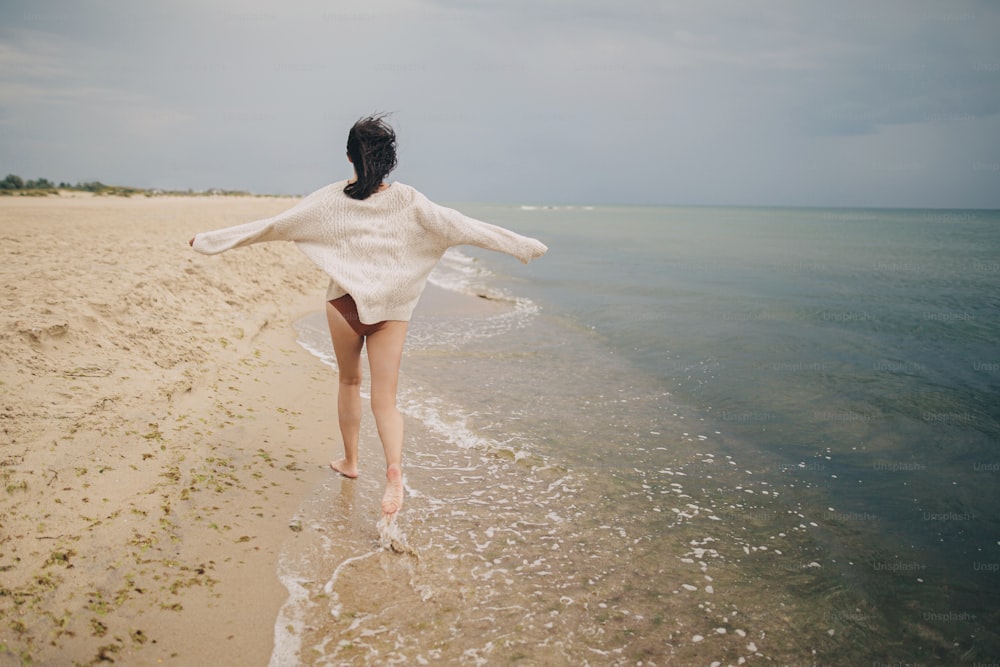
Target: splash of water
x=392, y=538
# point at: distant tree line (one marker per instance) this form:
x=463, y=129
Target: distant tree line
x=14, y=184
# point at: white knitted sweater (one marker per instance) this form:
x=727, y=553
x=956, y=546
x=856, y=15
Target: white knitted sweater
x=379, y=250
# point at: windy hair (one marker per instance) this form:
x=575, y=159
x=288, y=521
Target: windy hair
x=371, y=145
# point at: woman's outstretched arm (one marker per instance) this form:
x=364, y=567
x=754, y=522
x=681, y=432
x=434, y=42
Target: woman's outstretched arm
x=291, y=225
x=459, y=229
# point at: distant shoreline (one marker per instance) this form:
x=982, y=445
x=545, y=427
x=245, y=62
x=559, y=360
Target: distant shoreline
x=116, y=191
x=15, y=186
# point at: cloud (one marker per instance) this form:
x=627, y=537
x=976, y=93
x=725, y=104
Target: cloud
x=64, y=121
x=543, y=100
x=18, y=63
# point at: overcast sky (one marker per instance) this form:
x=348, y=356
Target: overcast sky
x=749, y=102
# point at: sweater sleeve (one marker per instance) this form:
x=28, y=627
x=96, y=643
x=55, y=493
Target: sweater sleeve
x=291, y=225
x=459, y=229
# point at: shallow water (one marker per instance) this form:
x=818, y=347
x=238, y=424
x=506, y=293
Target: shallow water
x=696, y=435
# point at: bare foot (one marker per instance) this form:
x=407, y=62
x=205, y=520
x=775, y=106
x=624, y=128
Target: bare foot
x=341, y=466
x=392, y=501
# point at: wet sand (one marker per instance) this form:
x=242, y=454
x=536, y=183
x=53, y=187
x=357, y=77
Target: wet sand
x=159, y=427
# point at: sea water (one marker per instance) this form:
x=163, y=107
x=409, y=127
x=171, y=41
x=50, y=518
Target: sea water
x=691, y=436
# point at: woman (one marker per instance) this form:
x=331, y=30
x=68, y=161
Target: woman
x=378, y=242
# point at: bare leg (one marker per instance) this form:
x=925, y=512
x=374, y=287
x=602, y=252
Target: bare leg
x=347, y=346
x=385, y=351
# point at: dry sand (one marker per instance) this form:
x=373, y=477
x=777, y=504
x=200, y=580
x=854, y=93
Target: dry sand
x=158, y=428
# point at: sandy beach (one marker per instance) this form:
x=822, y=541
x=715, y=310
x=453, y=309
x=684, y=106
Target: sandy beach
x=167, y=419
x=159, y=426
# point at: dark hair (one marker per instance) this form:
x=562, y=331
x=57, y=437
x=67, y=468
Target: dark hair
x=371, y=145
